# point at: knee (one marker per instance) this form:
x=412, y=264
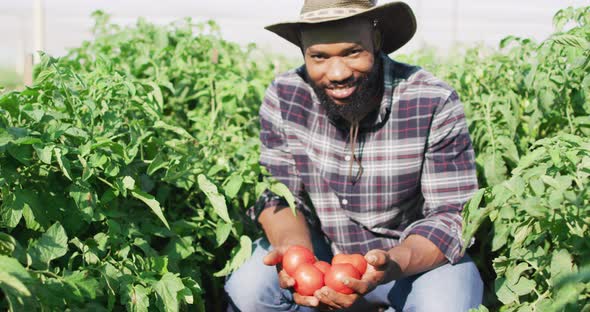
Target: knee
x=244, y=292
x=255, y=286
x=450, y=288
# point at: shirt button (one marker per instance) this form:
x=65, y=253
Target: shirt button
x=347, y=158
x=344, y=202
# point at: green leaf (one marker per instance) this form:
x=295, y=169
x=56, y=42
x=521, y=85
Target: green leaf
x=513, y=274
x=129, y=183
x=533, y=206
x=157, y=93
x=282, y=190
x=12, y=277
x=53, y=244
x=501, y=232
x=555, y=157
x=25, y=202
x=84, y=285
x=44, y=153
x=13, y=282
x=22, y=153
x=530, y=159
x=167, y=289
x=523, y=287
x=222, y=231
x=76, y=133
x=233, y=185
x=537, y=186
x=180, y=248
x=135, y=298
x=178, y=130
x=505, y=294
x=85, y=199
x=240, y=254
x=152, y=203
x=11, y=210
x=215, y=169
x=561, y=264
x=494, y=169
x=7, y=244
x=5, y=137
x=216, y=199
x=520, y=236
x=63, y=162
x=192, y=288
x=571, y=41
x=516, y=185
x=28, y=141
x=157, y=163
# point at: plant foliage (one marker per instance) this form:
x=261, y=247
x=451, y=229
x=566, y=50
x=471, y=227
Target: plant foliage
x=126, y=169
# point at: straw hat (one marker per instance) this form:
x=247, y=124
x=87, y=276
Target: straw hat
x=395, y=20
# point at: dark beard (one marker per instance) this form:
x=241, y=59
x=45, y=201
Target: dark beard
x=365, y=99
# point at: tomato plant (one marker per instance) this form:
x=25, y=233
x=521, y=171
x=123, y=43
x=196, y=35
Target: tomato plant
x=527, y=105
x=339, y=271
x=294, y=257
x=357, y=260
x=125, y=171
x=308, y=279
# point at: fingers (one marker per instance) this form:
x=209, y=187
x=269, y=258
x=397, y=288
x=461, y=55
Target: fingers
x=377, y=258
x=326, y=297
x=309, y=301
x=274, y=257
x=358, y=286
x=285, y=281
x=334, y=299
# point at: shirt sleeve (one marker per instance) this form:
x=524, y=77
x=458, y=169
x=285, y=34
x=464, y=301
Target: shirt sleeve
x=276, y=157
x=448, y=179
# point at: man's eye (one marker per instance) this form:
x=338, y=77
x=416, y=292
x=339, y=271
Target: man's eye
x=318, y=57
x=354, y=52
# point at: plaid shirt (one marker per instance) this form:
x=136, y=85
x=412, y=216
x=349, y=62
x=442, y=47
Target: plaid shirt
x=418, y=162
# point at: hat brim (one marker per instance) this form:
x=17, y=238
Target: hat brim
x=395, y=20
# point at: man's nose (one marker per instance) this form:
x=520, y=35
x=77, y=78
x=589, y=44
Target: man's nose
x=338, y=71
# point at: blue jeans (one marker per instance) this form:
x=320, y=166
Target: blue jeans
x=254, y=287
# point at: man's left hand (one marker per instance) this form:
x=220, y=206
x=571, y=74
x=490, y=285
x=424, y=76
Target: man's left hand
x=381, y=269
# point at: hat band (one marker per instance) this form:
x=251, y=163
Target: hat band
x=329, y=13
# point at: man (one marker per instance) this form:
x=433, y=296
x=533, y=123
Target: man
x=378, y=156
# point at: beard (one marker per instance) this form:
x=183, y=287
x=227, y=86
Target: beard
x=365, y=99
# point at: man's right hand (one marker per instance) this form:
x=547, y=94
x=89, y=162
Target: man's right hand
x=274, y=258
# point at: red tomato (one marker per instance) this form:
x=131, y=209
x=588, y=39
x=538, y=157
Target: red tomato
x=295, y=256
x=323, y=266
x=308, y=279
x=338, y=271
x=357, y=260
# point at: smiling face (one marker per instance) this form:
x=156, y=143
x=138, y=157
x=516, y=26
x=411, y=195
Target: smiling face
x=343, y=67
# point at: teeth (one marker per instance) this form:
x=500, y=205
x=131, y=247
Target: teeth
x=340, y=92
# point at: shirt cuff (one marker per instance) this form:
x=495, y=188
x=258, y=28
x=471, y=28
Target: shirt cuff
x=446, y=238
x=269, y=200
x=266, y=200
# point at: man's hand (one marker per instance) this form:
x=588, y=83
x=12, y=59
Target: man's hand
x=274, y=258
x=381, y=269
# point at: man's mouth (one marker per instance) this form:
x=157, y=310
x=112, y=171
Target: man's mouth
x=340, y=93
